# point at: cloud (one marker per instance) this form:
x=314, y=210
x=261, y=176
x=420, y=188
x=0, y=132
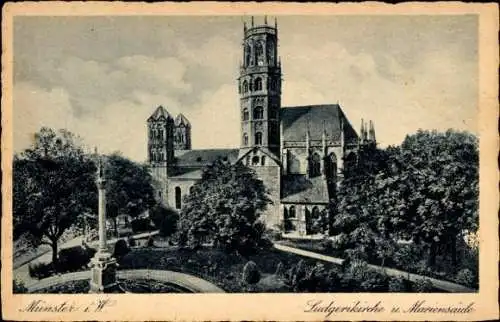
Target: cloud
x=403, y=79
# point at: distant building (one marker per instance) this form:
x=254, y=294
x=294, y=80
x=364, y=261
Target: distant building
x=298, y=152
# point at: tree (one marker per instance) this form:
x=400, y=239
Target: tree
x=129, y=189
x=358, y=215
x=434, y=183
x=224, y=208
x=165, y=219
x=53, y=183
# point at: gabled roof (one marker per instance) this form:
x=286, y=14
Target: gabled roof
x=160, y=114
x=296, y=120
x=300, y=189
x=201, y=158
x=266, y=151
x=181, y=119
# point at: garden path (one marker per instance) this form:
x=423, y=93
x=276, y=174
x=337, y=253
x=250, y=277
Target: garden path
x=190, y=282
x=440, y=284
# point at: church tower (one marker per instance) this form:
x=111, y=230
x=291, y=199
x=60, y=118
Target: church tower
x=182, y=133
x=160, y=148
x=260, y=88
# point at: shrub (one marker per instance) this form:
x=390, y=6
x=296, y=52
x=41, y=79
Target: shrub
x=423, y=285
x=131, y=241
x=274, y=234
x=399, y=284
x=326, y=245
x=141, y=225
x=375, y=282
x=121, y=249
x=466, y=277
x=40, y=270
x=74, y=258
x=251, y=274
x=280, y=270
x=340, y=242
x=18, y=287
x=165, y=219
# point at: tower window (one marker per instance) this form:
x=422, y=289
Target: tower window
x=245, y=139
x=259, y=53
x=247, y=55
x=258, y=84
x=258, y=113
x=245, y=86
x=245, y=114
x=178, y=197
x=258, y=138
x=263, y=160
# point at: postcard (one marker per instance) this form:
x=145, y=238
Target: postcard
x=216, y=161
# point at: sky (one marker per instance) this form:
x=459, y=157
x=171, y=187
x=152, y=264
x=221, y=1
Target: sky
x=101, y=77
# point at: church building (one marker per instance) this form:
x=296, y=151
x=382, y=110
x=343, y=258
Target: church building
x=299, y=152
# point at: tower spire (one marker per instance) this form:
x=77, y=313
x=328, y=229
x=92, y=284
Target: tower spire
x=252, y=21
x=265, y=20
x=323, y=138
x=372, y=132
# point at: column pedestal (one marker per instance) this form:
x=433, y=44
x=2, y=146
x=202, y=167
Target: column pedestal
x=102, y=273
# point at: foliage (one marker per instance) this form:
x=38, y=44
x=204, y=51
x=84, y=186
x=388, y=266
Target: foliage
x=280, y=270
x=141, y=225
x=425, y=191
x=131, y=241
x=53, y=185
x=71, y=287
x=466, y=277
x=121, y=249
x=224, y=208
x=251, y=274
x=129, y=189
x=399, y=284
x=41, y=270
x=423, y=285
x=164, y=218
x=18, y=287
x=74, y=258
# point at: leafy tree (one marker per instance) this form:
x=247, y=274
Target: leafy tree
x=53, y=185
x=129, y=189
x=433, y=188
x=165, y=219
x=224, y=208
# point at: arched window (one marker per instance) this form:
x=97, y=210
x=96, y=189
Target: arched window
x=178, y=198
x=255, y=160
x=258, y=113
x=159, y=195
x=291, y=212
x=263, y=160
x=258, y=138
x=245, y=139
x=245, y=86
x=331, y=166
x=315, y=169
x=191, y=189
x=270, y=51
x=245, y=114
x=259, y=53
x=162, y=156
x=258, y=84
x=248, y=53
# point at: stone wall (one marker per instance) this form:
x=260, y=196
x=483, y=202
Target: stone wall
x=184, y=185
x=270, y=175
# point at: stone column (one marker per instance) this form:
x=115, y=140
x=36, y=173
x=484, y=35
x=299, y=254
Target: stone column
x=103, y=265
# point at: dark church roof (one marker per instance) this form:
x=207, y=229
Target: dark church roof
x=297, y=119
x=160, y=114
x=300, y=189
x=201, y=158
